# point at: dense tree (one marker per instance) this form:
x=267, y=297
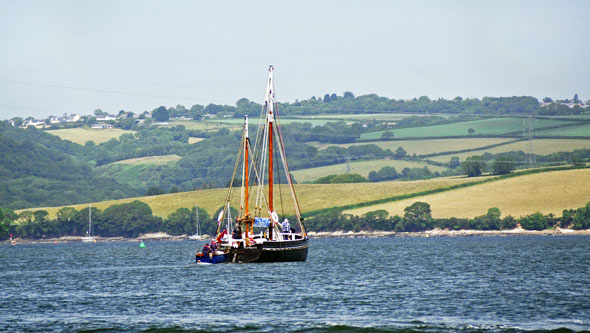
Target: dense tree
x=503, y=165
x=348, y=95
x=160, y=114
x=128, y=220
x=66, y=214
x=178, y=222
x=100, y=113
x=40, y=216
x=400, y=152
x=154, y=191
x=581, y=218
x=7, y=216
x=377, y=214
x=18, y=121
x=507, y=223
x=534, y=222
x=454, y=162
x=417, y=217
x=343, y=178
x=473, y=166
x=26, y=216
x=490, y=221
x=385, y=173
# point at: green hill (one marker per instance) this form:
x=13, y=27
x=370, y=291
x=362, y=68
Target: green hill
x=41, y=169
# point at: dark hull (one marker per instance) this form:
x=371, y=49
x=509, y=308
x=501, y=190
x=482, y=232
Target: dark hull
x=245, y=255
x=271, y=251
x=282, y=251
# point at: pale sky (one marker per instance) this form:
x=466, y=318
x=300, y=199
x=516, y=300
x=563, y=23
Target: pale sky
x=78, y=56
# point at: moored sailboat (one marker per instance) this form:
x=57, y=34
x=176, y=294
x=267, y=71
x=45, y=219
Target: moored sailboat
x=88, y=237
x=259, y=235
x=197, y=235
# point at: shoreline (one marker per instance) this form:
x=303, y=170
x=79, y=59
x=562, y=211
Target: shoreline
x=321, y=234
x=449, y=233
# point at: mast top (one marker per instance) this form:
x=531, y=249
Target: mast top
x=269, y=99
x=246, y=126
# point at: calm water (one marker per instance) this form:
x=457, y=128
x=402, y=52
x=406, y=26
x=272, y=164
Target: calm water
x=425, y=284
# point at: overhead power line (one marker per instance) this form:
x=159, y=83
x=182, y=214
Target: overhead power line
x=106, y=91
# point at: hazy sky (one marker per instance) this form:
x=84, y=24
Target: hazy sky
x=77, y=56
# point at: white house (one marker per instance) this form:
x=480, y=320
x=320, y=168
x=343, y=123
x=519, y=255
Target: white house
x=73, y=118
x=106, y=118
x=34, y=123
x=102, y=126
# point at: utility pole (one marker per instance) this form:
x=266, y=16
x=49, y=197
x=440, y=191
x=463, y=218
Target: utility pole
x=531, y=158
x=348, y=168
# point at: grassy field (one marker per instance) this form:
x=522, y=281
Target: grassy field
x=202, y=125
x=581, y=130
x=192, y=140
x=311, y=196
x=550, y=192
x=81, y=135
x=154, y=160
x=362, y=168
x=368, y=116
x=420, y=147
x=575, y=116
x=493, y=126
x=284, y=121
x=541, y=147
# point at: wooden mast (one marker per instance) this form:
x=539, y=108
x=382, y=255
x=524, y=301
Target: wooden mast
x=246, y=167
x=246, y=180
x=270, y=116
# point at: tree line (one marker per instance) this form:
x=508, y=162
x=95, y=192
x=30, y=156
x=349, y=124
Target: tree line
x=124, y=220
x=135, y=218
x=418, y=217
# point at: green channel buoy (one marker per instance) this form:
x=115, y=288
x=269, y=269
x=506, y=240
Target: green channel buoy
x=141, y=245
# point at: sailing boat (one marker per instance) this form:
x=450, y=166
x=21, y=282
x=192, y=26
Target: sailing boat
x=272, y=241
x=88, y=237
x=196, y=236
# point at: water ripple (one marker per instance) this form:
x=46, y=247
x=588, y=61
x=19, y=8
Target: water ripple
x=496, y=284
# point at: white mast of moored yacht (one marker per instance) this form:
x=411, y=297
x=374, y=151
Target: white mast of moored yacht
x=89, y=220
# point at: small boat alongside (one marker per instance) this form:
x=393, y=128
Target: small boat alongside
x=261, y=234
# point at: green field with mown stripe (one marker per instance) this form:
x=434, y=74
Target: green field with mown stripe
x=493, y=126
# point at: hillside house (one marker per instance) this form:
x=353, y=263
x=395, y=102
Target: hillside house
x=102, y=126
x=72, y=118
x=106, y=118
x=34, y=123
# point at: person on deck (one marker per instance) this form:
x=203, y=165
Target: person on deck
x=206, y=250
x=237, y=233
x=285, y=226
x=213, y=247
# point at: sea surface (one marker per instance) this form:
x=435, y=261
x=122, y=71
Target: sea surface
x=493, y=284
